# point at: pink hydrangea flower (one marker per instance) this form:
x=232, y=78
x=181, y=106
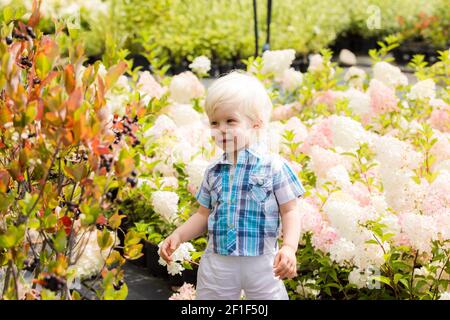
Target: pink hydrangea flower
x=360, y=192
x=440, y=116
x=185, y=292
x=382, y=97
x=320, y=134
x=148, y=85
x=323, y=160
x=324, y=237
x=327, y=97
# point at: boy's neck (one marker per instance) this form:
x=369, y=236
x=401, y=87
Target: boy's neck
x=234, y=155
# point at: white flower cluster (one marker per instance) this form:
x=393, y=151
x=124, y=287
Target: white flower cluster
x=358, y=101
x=277, y=61
x=184, y=87
x=388, y=74
x=348, y=218
x=355, y=77
x=348, y=133
x=397, y=160
x=183, y=253
x=445, y=296
x=201, y=65
x=420, y=230
x=195, y=170
x=306, y=289
x=87, y=256
x=165, y=203
x=422, y=90
x=363, y=278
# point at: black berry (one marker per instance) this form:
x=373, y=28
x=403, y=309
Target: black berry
x=53, y=282
x=31, y=32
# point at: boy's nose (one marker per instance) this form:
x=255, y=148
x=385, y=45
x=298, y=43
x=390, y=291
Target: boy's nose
x=223, y=128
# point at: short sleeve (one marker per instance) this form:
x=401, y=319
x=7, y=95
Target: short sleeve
x=203, y=195
x=286, y=184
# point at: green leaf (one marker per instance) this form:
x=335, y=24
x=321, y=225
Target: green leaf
x=60, y=241
x=404, y=282
x=133, y=252
x=383, y=279
x=397, y=277
x=8, y=14
x=43, y=65
x=104, y=239
x=27, y=203
x=187, y=265
x=12, y=236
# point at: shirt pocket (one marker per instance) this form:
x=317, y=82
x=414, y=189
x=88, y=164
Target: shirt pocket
x=260, y=187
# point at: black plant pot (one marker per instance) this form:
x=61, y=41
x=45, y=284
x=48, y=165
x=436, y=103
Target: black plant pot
x=176, y=280
x=190, y=276
x=152, y=257
x=406, y=51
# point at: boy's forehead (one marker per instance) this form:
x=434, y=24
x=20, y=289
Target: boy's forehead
x=226, y=110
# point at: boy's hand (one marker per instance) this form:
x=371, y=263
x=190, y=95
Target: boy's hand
x=285, y=263
x=170, y=244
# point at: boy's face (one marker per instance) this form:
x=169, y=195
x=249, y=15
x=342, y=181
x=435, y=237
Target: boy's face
x=230, y=129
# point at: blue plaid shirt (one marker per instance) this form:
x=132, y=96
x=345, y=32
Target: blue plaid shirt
x=244, y=217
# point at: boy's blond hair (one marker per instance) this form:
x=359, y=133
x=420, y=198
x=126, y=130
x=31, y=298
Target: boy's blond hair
x=242, y=90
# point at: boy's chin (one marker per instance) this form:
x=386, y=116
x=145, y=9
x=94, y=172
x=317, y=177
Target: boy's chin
x=229, y=149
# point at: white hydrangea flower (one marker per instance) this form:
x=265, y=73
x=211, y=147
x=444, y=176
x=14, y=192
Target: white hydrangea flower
x=315, y=62
x=441, y=166
x=355, y=77
x=445, y=296
x=295, y=125
x=421, y=230
x=342, y=251
x=339, y=175
x=388, y=74
x=165, y=203
x=183, y=114
x=90, y=257
x=348, y=133
x=422, y=90
x=277, y=61
x=195, y=170
x=184, y=87
x=358, y=278
x=305, y=289
x=358, y=102
x=291, y=79
x=395, y=154
x=201, y=65
x=163, y=125
x=183, y=253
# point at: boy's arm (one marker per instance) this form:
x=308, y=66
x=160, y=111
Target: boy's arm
x=285, y=263
x=195, y=226
x=290, y=220
x=192, y=228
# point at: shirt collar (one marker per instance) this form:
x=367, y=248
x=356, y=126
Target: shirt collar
x=255, y=149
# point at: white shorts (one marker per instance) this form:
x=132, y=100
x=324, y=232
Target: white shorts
x=224, y=277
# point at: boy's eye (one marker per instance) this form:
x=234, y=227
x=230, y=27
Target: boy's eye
x=213, y=123
x=231, y=120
